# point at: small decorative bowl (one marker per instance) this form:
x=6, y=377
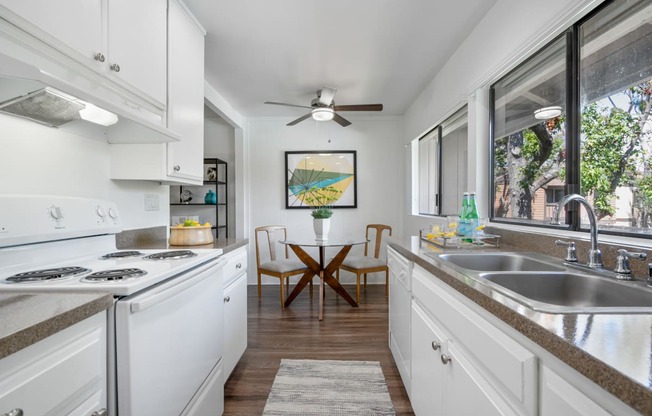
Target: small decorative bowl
x=191, y=236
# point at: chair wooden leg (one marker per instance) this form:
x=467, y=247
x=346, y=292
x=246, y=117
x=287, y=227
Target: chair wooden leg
x=365, y=280
x=282, y=295
x=287, y=284
x=358, y=286
x=259, y=292
x=310, y=289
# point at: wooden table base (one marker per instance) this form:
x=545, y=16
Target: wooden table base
x=325, y=275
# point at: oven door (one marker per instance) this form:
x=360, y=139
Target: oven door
x=168, y=340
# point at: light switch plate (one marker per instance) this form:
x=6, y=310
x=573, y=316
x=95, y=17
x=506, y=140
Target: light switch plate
x=151, y=202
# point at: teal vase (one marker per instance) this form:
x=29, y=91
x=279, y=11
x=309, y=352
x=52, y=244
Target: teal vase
x=210, y=198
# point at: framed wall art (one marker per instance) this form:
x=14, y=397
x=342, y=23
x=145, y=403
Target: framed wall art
x=316, y=178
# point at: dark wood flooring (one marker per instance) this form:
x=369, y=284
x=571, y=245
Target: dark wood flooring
x=346, y=333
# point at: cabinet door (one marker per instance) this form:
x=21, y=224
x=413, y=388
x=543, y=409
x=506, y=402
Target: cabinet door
x=137, y=35
x=235, y=323
x=185, y=159
x=399, y=327
x=427, y=382
x=75, y=23
x=558, y=397
x=467, y=391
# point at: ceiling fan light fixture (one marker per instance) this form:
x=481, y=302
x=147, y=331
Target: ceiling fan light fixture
x=322, y=113
x=547, y=113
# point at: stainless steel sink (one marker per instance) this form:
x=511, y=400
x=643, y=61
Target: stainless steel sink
x=572, y=290
x=496, y=262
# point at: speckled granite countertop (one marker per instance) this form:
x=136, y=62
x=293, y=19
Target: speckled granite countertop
x=28, y=317
x=614, y=351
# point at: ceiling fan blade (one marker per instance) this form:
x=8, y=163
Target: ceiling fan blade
x=299, y=120
x=326, y=95
x=340, y=120
x=288, y=105
x=359, y=107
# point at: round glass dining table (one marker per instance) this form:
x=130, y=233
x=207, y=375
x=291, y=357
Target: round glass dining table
x=321, y=269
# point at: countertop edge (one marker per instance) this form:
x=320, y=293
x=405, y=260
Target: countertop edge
x=615, y=382
x=14, y=342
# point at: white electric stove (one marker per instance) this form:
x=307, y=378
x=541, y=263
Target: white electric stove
x=164, y=330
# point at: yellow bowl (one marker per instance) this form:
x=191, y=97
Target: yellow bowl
x=191, y=236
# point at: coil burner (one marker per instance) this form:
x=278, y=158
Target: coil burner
x=47, y=274
x=171, y=255
x=121, y=255
x=114, y=275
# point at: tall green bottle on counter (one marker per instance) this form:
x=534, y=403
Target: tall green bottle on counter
x=463, y=227
x=472, y=215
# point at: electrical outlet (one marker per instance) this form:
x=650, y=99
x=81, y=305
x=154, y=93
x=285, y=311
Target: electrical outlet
x=151, y=202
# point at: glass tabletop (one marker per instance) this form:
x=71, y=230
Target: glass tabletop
x=327, y=243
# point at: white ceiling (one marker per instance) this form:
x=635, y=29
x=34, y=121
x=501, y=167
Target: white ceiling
x=372, y=51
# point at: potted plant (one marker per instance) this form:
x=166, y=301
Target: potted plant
x=321, y=200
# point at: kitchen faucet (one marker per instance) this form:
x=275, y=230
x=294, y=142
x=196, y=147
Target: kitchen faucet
x=595, y=256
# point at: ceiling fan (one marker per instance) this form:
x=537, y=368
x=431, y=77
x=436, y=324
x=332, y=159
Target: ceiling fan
x=323, y=108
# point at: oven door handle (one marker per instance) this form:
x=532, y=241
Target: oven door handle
x=182, y=283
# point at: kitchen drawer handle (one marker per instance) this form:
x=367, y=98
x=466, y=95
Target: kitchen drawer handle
x=99, y=57
x=238, y=266
x=176, y=168
x=227, y=299
x=101, y=412
x=436, y=345
x=445, y=359
x=15, y=412
x=115, y=67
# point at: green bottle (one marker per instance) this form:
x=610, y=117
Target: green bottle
x=472, y=215
x=463, y=228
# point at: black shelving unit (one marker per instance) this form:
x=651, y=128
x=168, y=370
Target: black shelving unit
x=219, y=185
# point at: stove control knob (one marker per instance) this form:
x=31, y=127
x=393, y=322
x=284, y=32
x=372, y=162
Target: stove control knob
x=112, y=213
x=101, y=212
x=56, y=213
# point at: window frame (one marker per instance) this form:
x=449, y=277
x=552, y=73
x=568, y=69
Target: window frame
x=572, y=133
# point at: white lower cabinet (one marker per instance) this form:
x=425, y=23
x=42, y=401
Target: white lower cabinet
x=559, y=397
x=399, y=314
x=461, y=364
x=235, y=309
x=64, y=374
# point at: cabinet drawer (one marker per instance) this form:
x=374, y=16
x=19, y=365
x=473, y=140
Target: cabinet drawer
x=504, y=360
x=59, y=375
x=400, y=267
x=237, y=264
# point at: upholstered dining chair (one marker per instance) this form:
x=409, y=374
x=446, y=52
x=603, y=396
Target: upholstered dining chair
x=367, y=263
x=280, y=267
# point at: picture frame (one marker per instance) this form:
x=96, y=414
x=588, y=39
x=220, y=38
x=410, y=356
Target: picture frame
x=316, y=169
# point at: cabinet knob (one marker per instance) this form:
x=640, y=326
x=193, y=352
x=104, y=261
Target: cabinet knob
x=445, y=359
x=101, y=412
x=227, y=299
x=15, y=412
x=99, y=57
x=436, y=345
x=238, y=266
x=176, y=168
x=115, y=67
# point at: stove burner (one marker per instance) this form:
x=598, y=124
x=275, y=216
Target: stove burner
x=114, y=275
x=47, y=274
x=171, y=255
x=121, y=255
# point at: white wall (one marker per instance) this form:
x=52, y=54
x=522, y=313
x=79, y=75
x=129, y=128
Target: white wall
x=377, y=142
x=511, y=31
x=35, y=159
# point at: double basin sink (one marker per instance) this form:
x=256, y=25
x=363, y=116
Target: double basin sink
x=542, y=283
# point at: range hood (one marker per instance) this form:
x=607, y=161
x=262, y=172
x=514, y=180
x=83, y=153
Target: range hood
x=44, y=94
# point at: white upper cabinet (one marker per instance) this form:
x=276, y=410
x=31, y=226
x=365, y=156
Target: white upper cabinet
x=136, y=50
x=77, y=24
x=185, y=159
x=123, y=41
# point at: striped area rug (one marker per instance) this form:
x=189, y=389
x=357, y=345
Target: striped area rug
x=328, y=387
